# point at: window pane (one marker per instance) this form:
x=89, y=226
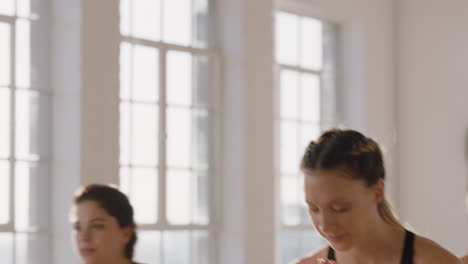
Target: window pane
x=179, y=78
x=4, y=123
x=178, y=137
x=290, y=246
x=288, y=94
x=289, y=145
x=179, y=194
x=309, y=132
x=203, y=24
x=201, y=247
x=4, y=193
x=144, y=134
x=6, y=247
x=23, y=195
x=125, y=70
x=5, y=51
x=148, y=247
x=125, y=11
x=143, y=189
x=27, y=110
x=23, y=53
x=296, y=244
x=145, y=74
x=310, y=97
x=23, y=250
x=124, y=135
x=311, y=43
x=202, y=139
x=287, y=38
x=146, y=19
x=7, y=7
x=290, y=195
x=200, y=199
x=204, y=81
x=177, y=247
x=311, y=241
x=177, y=21
x=23, y=7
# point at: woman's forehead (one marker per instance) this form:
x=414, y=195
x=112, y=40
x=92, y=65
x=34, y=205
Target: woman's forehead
x=332, y=185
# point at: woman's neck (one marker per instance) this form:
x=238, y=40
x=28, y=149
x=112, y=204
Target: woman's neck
x=383, y=243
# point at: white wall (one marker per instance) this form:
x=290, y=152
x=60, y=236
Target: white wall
x=433, y=115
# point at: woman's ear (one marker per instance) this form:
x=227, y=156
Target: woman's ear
x=379, y=191
x=127, y=233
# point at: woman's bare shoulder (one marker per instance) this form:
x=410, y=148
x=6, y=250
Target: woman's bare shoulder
x=312, y=257
x=427, y=251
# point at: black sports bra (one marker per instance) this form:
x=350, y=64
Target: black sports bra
x=406, y=257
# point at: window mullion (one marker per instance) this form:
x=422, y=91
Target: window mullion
x=12, y=124
x=162, y=219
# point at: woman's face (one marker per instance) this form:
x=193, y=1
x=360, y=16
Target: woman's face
x=341, y=208
x=97, y=235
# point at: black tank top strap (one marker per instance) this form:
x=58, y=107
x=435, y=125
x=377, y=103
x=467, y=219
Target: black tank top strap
x=331, y=254
x=408, y=248
x=406, y=257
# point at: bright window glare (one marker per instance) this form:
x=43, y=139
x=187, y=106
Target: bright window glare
x=287, y=38
x=311, y=44
x=26, y=123
x=5, y=52
x=124, y=135
x=144, y=134
x=23, y=53
x=4, y=193
x=22, y=195
x=310, y=98
x=179, y=130
x=179, y=78
x=146, y=19
x=125, y=70
x=309, y=132
x=4, y=123
x=6, y=247
x=177, y=22
x=289, y=147
x=177, y=247
x=143, y=193
x=289, y=94
x=179, y=196
x=148, y=248
x=23, y=7
x=145, y=74
x=7, y=7
x=290, y=195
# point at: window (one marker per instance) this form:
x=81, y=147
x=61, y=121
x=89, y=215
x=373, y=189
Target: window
x=23, y=139
x=168, y=97
x=305, y=51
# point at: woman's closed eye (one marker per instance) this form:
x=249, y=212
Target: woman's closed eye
x=98, y=226
x=340, y=209
x=313, y=209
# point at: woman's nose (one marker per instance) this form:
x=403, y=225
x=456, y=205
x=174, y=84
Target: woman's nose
x=84, y=235
x=326, y=223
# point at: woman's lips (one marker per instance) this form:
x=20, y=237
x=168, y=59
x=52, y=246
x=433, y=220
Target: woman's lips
x=87, y=251
x=335, y=239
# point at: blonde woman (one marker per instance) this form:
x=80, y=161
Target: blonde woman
x=344, y=189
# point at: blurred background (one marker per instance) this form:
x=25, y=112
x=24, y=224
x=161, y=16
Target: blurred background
x=200, y=110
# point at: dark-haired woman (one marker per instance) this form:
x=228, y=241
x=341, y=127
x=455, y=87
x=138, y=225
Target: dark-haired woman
x=103, y=224
x=344, y=190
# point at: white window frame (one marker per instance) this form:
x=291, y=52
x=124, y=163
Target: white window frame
x=214, y=109
x=41, y=160
x=327, y=118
